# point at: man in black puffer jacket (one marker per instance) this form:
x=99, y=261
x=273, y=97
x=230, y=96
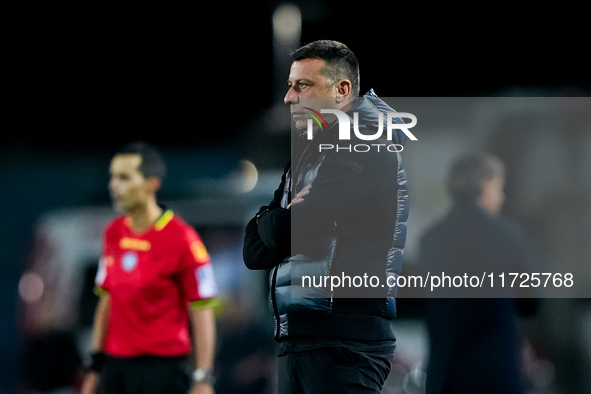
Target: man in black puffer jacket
x=339, y=212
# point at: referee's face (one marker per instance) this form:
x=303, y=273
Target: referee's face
x=128, y=188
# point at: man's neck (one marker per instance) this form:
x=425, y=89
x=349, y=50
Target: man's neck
x=347, y=106
x=145, y=216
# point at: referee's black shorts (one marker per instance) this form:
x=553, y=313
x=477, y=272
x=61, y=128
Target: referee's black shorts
x=144, y=375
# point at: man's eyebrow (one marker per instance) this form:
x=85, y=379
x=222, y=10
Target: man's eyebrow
x=309, y=81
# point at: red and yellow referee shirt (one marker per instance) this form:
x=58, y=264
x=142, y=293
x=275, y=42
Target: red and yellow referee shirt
x=153, y=278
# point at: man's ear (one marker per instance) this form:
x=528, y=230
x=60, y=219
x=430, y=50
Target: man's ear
x=344, y=88
x=154, y=183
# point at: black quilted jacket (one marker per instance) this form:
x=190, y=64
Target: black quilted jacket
x=353, y=223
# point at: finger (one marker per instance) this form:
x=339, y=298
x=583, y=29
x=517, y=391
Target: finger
x=305, y=189
x=296, y=200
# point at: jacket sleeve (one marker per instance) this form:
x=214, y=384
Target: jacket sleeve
x=344, y=184
x=528, y=298
x=267, y=237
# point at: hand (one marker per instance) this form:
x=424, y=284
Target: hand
x=90, y=382
x=300, y=196
x=201, y=388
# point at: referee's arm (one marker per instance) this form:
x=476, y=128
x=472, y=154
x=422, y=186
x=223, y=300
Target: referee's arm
x=101, y=322
x=99, y=331
x=203, y=321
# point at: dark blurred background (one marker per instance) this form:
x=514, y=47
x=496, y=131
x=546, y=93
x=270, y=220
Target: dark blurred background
x=205, y=86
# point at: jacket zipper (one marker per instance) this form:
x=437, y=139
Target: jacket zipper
x=274, y=280
x=274, y=301
x=297, y=167
x=332, y=270
x=275, y=269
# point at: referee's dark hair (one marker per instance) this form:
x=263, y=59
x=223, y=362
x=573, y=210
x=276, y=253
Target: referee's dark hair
x=341, y=62
x=469, y=173
x=152, y=164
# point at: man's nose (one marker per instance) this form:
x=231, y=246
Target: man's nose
x=291, y=97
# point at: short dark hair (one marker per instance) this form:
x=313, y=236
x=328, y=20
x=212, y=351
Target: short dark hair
x=341, y=62
x=470, y=172
x=152, y=164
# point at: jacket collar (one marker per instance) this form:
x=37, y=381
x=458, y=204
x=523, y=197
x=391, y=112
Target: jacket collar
x=368, y=108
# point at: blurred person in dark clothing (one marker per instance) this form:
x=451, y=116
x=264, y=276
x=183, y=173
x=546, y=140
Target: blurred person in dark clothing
x=474, y=342
x=334, y=212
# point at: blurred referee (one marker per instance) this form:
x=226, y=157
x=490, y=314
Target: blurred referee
x=154, y=278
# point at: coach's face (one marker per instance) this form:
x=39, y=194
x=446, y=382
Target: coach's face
x=128, y=187
x=308, y=87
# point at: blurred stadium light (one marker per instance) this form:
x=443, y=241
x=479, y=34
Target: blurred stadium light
x=287, y=30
